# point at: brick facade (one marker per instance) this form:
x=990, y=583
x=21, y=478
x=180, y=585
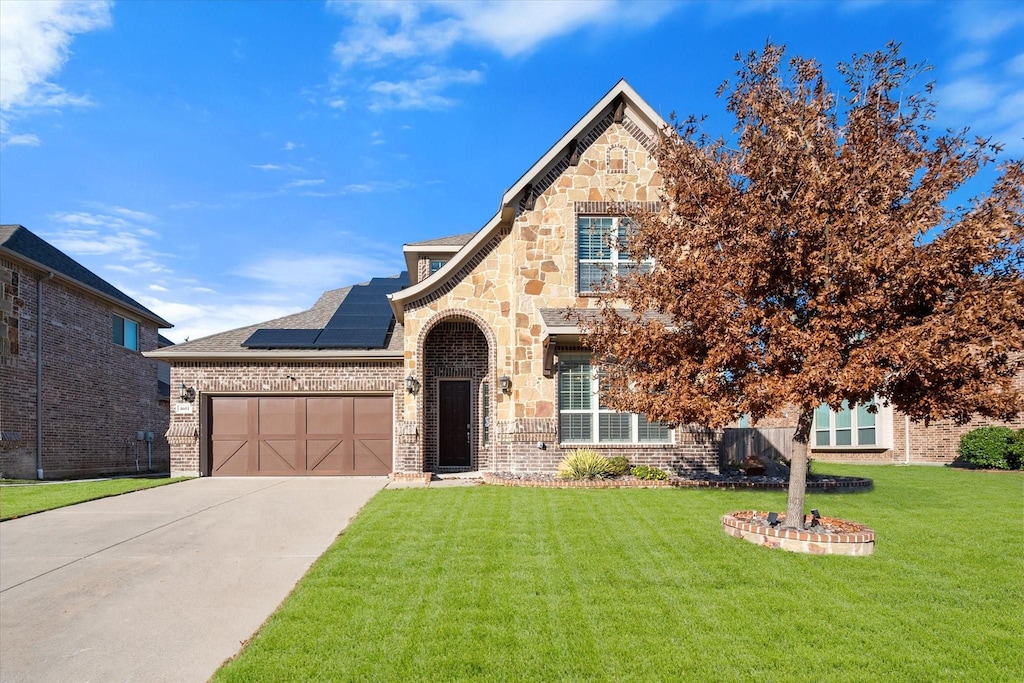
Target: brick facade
x=187, y=433
x=95, y=394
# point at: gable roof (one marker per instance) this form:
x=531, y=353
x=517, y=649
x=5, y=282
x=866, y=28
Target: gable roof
x=639, y=113
x=22, y=244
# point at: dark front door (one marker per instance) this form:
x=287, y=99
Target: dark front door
x=453, y=424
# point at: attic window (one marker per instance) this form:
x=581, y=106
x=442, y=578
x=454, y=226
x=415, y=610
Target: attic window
x=616, y=159
x=436, y=264
x=125, y=332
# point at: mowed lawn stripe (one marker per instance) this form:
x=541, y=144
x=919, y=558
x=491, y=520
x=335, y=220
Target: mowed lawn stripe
x=492, y=583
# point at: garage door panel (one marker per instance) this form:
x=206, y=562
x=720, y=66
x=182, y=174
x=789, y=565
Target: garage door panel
x=277, y=455
x=277, y=415
x=326, y=456
x=333, y=435
x=372, y=456
x=230, y=457
x=328, y=416
x=231, y=415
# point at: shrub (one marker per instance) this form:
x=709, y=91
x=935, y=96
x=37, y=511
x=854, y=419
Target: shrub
x=619, y=465
x=1015, y=458
x=584, y=464
x=988, y=447
x=649, y=473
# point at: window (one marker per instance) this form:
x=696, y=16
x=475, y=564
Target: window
x=436, y=263
x=582, y=418
x=848, y=427
x=601, y=252
x=125, y=333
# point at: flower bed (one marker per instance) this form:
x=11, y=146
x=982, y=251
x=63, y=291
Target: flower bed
x=830, y=536
x=697, y=480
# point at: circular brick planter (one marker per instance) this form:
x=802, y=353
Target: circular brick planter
x=849, y=538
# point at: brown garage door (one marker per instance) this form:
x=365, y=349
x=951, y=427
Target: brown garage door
x=277, y=435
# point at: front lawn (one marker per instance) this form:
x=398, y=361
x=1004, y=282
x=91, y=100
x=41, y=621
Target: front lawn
x=18, y=501
x=494, y=583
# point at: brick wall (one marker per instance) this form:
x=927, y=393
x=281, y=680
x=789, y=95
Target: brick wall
x=96, y=395
x=455, y=349
x=278, y=378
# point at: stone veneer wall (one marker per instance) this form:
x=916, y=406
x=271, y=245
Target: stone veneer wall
x=96, y=395
x=528, y=264
x=300, y=378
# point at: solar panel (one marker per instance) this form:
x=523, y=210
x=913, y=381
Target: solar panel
x=362, y=321
x=281, y=339
x=352, y=339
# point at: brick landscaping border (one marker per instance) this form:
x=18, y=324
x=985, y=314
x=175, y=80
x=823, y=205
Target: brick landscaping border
x=859, y=540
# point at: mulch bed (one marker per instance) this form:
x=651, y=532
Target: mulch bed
x=729, y=480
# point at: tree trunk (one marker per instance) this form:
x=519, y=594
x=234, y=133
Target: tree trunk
x=798, y=472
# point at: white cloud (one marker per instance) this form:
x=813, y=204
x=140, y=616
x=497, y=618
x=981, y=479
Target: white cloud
x=420, y=93
x=381, y=34
x=336, y=103
x=289, y=146
x=157, y=288
x=23, y=139
x=306, y=182
x=1015, y=67
x=35, y=41
x=317, y=273
x=266, y=167
x=983, y=23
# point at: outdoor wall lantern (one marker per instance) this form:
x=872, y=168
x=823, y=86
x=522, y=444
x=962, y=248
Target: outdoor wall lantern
x=411, y=385
x=187, y=394
x=506, y=384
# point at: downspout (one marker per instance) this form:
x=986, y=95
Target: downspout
x=39, y=374
x=906, y=439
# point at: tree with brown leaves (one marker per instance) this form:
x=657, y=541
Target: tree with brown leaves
x=819, y=258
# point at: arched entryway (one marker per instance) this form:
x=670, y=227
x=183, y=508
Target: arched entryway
x=457, y=396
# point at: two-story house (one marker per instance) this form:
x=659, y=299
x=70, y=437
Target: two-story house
x=467, y=361
x=77, y=397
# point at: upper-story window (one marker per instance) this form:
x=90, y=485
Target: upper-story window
x=436, y=263
x=601, y=252
x=125, y=332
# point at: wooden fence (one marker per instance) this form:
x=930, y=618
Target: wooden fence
x=775, y=443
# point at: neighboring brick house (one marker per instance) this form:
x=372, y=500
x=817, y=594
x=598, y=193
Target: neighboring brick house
x=473, y=366
x=70, y=351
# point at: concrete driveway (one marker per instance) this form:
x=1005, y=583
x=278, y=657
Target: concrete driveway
x=163, y=584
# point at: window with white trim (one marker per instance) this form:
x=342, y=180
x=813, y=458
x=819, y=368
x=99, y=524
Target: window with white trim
x=584, y=420
x=125, y=332
x=436, y=263
x=852, y=427
x=601, y=252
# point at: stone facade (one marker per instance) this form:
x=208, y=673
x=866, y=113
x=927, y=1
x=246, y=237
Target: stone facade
x=95, y=394
x=528, y=264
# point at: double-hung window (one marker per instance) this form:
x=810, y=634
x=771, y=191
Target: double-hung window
x=125, y=332
x=436, y=264
x=850, y=426
x=601, y=252
x=584, y=419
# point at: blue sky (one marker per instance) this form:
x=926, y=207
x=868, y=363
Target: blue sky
x=225, y=162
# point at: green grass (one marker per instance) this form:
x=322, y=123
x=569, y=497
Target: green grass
x=18, y=501
x=509, y=584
